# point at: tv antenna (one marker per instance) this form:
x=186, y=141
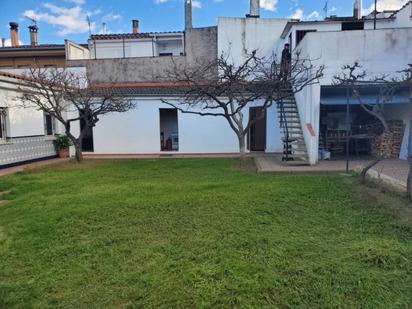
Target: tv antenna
x=33, y=20
x=89, y=23
x=325, y=9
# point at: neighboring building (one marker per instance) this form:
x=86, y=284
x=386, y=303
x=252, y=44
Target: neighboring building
x=35, y=55
x=26, y=134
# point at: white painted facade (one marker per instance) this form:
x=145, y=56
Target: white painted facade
x=24, y=131
x=238, y=37
x=138, y=132
x=386, y=50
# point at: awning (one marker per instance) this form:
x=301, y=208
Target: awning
x=336, y=95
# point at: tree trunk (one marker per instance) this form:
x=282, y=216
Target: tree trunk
x=77, y=143
x=409, y=182
x=242, y=150
x=78, y=154
x=367, y=168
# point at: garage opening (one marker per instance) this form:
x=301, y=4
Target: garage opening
x=169, y=129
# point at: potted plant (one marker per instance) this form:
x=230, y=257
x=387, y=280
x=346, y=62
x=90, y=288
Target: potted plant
x=62, y=144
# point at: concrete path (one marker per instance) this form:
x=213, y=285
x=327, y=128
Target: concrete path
x=21, y=168
x=172, y=155
x=391, y=172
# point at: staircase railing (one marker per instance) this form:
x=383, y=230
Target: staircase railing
x=284, y=126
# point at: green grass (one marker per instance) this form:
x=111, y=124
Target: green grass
x=199, y=234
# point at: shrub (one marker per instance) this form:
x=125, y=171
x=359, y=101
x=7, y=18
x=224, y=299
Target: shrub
x=62, y=142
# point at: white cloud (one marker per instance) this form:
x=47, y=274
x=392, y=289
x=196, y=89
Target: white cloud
x=7, y=42
x=111, y=17
x=386, y=5
x=77, y=2
x=269, y=5
x=297, y=15
x=67, y=20
x=313, y=15
x=197, y=4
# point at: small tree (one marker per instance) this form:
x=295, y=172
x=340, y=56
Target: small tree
x=70, y=98
x=354, y=77
x=222, y=89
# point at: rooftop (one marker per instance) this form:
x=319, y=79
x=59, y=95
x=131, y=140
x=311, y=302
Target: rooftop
x=31, y=47
x=142, y=35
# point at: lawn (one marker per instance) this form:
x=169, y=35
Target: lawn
x=199, y=234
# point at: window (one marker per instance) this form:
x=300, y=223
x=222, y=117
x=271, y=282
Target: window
x=355, y=25
x=49, y=124
x=3, y=118
x=165, y=54
x=300, y=34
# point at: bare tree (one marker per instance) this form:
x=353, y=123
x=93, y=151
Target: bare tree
x=354, y=77
x=220, y=88
x=70, y=98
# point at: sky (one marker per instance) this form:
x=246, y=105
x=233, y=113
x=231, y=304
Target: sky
x=67, y=19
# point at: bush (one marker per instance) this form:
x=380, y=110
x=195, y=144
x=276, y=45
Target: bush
x=62, y=142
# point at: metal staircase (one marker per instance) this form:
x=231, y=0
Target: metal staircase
x=294, y=146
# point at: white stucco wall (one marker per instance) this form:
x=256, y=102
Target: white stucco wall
x=21, y=121
x=138, y=132
x=239, y=36
x=379, y=52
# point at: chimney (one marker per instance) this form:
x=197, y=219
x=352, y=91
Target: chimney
x=188, y=15
x=14, y=33
x=254, y=9
x=34, y=39
x=3, y=42
x=357, y=9
x=135, y=26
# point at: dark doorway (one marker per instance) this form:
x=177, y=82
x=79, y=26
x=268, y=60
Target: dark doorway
x=87, y=141
x=169, y=129
x=257, y=131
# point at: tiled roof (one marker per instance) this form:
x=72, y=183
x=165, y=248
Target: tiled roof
x=14, y=76
x=30, y=47
x=145, y=89
x=140, y=35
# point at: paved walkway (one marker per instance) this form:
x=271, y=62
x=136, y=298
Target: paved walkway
x=173, y=155
x=392, y=172
x=21, y=168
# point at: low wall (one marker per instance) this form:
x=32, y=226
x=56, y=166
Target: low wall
x=23, y=149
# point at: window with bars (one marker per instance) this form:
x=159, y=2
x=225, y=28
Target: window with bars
x=3, y=119
x=49, y=124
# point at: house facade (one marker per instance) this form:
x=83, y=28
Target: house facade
x=26, y=134
x=317, y=115
x=312, y=122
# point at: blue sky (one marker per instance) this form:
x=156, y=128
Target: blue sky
x=67, y=19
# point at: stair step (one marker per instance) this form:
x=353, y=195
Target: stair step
x=293, y=139
x=292, y=121
x=296, y=162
